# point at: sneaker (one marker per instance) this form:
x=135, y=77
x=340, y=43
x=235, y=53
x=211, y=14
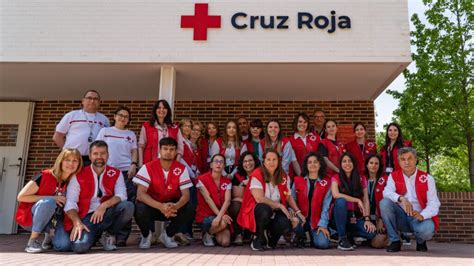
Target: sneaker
x=33, y=246
x=238, y=241
x=181, y=239
x=145, y=242
x=108, y=241
x=47, y=242
x=406, y=241
x=189, y=237
x=395, y=246
x=207, y=240
x=334, y=238
x=345, y=245
x=358, y=240
x=256, y=245
x=421, y=247
x=281, y=241
x=167, y=241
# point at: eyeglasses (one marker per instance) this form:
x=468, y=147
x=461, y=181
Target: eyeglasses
x=91, y=98
x=122, y=116
x=218, y=161
x=196, y=129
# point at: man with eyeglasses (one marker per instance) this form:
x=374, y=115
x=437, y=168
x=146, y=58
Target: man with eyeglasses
x=79, y=128
x=318, y=123
x=163, y=195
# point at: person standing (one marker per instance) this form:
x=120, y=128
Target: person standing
x=79, y=128
x=319, y=122
x=393, y=142
x=360, y=147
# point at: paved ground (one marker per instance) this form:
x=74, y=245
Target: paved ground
x=11, y=253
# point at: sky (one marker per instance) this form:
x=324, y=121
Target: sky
x=385, y=104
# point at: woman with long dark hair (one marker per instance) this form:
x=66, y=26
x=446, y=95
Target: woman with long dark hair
x=256, y=134
x=330, y=148
x=211, y=134
x=393, y=142
x=351, y=206
x=312, y=193
x=361, y=148
x=157, y=127
x=230, y=145
x=302, y=141
x=265, y=204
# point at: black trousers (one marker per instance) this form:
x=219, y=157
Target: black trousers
x=234, y=210
x=144, y=214
x=274, y=221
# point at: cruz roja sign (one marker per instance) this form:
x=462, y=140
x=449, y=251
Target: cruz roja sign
x=201, y=21
x=306, y=20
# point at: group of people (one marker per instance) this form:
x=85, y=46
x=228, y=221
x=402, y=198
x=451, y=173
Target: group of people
x=252, y=183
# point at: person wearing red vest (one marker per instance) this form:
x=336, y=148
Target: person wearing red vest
x=331, y=149
x=393, y=142
x=256, y=134
x=319, y=121
x=410, y=203
x=230, y=145
x=42, y=199
x=247, y=164
x=96, y=205
x=360, y=147
x=210, y=136
x=159, y=126
x=313, y=195
x=351, y=205
x=274, y=139
x=163, y=195
x=197, y=139
x=213, y=201
x=243, y=127
x=302, y=142
x=264, y=206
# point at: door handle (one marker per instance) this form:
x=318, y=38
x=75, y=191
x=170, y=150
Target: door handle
x=18, y=165
x=3, y=169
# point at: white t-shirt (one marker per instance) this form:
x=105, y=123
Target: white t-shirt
x=144, y=179
x=271, y=192
x=78, y=125
x=121, y=144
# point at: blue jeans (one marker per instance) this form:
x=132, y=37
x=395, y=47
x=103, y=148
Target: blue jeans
x=395, y=219
x=207, y=223
x=124, y=233
x=42, y=212
x=343, y=222
x=320, y=240
x=114, y=220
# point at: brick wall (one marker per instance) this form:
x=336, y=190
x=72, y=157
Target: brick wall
x=8, y=135
x=42, y=150
x=456, y=217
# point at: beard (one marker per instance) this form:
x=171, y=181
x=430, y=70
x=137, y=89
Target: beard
x=98, y=163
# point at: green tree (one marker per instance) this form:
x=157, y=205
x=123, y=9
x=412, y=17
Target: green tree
x=436, y=110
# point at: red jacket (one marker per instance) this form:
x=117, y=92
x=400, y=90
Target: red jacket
x=246, y=217
x=217, y=195
x=383, y=153
x=421, y=188
x=334, y=153
x=301, y=189
x=150, y=151
x=47, y=187
x=301, y=149
x=85, y=178
x=161, y=190
x=360, y=156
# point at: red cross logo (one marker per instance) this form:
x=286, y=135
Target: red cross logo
x=200, y=22
x=423, y=179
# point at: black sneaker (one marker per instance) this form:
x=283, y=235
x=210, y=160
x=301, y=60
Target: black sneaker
x=395, y=246
x=421, y=247
x=406, y=241
x=345, y=244
x=256, y=245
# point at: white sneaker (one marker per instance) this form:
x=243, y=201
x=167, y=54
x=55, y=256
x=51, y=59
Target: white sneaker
x=47, y=242
x=167, y=241
x=108, y=241
x=33, y=246
x=207, y=240
x=145, y=242
x=282, y=241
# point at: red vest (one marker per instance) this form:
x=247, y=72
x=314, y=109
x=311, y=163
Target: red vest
x=421, y=188
x=301, y=150
x=301, y=189
x=246, y=217
x=334, y=153
x=47, y=187
x=222, y=151
x=150, y=151
x=204, y=152
x=239, y=177
x=378, y=193
x=189, y=155
x=383, y=153
x=160, y=190
x=217, y=195
x=85, y=178
x=284, y=141
x=353, y=147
